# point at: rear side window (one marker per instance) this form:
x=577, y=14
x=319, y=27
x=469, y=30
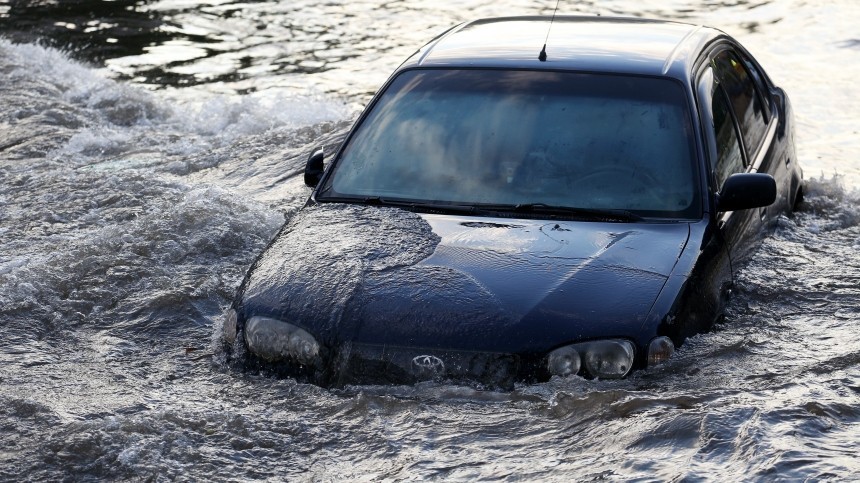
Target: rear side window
x=760, y=84
x=744, y=99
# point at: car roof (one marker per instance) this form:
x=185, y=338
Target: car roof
x=591, y=44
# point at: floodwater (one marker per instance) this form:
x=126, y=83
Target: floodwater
x=150, y=150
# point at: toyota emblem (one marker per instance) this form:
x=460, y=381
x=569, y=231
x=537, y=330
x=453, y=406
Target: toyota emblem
x=428, y=363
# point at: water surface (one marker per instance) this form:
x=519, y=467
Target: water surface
x=150, y=150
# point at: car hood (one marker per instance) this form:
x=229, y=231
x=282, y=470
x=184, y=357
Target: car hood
x=386, y=276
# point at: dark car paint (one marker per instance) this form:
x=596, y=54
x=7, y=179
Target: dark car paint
x=674, y=283
x=494, y=285
x=741, y=229
x=550, y=282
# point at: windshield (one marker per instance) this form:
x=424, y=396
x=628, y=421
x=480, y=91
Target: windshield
x=514, y=138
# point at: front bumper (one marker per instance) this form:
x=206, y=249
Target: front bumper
x=358, y=363
x=286, y=350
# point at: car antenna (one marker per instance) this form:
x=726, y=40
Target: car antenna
x=542, y=55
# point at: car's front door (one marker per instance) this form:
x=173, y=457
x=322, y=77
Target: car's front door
x=739, y=139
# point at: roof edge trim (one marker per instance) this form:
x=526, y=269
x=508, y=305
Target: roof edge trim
x=428, y=49
x=677, y=50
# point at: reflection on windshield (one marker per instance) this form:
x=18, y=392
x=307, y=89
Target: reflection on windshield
x=525, y=137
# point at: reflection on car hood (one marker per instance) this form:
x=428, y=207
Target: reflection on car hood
x=388, y=276
x=522, y=262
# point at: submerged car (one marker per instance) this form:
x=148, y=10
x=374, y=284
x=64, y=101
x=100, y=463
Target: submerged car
x=511, y=209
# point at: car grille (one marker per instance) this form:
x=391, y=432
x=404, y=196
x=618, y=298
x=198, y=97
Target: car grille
x=378, y=364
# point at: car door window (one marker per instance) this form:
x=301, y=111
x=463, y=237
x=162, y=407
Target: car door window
x=744, y=100
x=729, y=157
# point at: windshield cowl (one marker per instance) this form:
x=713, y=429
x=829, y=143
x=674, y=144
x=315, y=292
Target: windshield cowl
x=531, y=210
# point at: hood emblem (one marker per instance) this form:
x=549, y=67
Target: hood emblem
x=428, y=364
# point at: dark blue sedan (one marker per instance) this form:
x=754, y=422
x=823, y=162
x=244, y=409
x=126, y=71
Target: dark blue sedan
x=507, y=211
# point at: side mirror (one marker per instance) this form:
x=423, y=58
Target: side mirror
x=315, y=167
x=743, y=191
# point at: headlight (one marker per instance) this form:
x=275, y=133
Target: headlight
x=228, y=330
x=609, y=359
x=564, y=361
x=660, y=349
x=603, y=359
x=275, y=340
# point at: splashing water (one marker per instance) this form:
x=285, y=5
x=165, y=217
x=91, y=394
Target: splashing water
x=132, y=205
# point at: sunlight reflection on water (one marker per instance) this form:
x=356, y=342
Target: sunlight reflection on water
x=137, y=191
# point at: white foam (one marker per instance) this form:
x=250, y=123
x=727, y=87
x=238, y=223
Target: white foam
x=98, y=142
x=118, y=118
x=15, y=263
x=230, y=117
x=51, y=64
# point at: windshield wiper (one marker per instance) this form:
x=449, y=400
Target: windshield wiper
x=490, y=209
x=589, y=213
